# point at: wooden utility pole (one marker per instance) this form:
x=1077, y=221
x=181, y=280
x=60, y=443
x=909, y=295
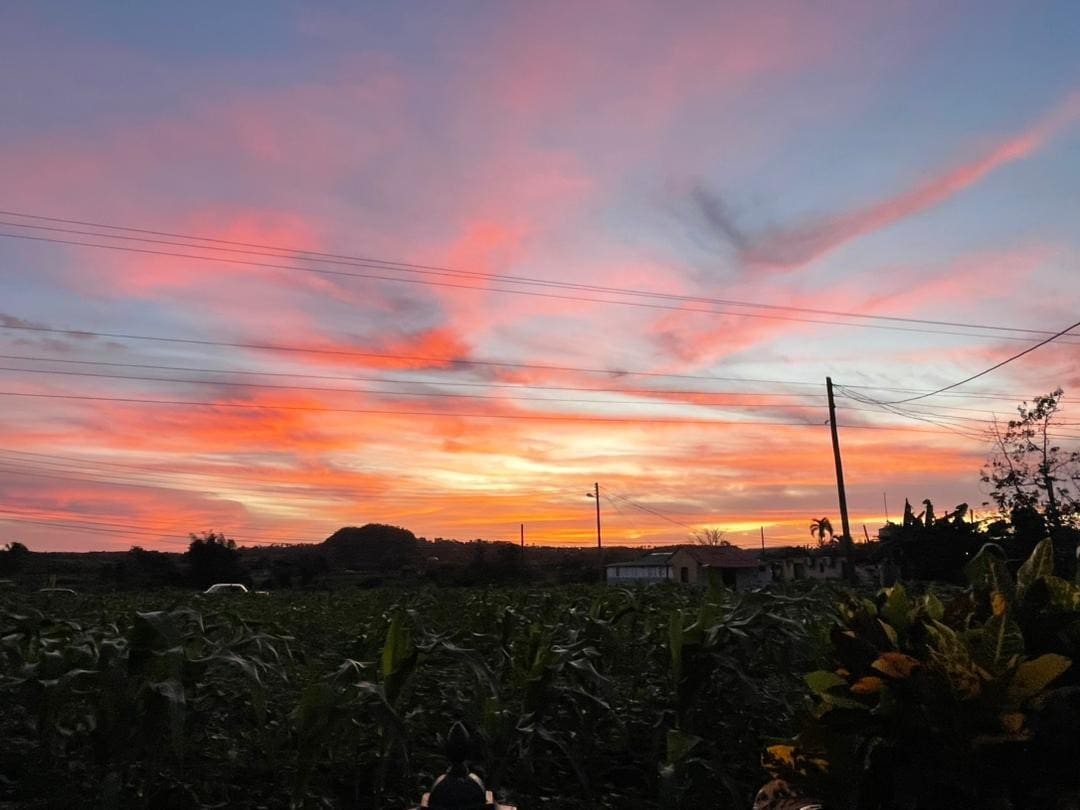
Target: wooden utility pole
x=522, y=536
x=849, y=563
x=763, y=542
x=599, y=547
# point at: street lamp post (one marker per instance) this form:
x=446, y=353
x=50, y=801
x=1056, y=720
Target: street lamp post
x=595, y=494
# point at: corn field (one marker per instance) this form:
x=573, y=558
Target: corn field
x=574, y=698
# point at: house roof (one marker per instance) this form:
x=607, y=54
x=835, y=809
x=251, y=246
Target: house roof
x=651, y=559
x=724, y=556
x=781, y=552
x=714, y=556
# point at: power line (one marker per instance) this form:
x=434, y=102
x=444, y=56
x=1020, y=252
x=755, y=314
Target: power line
x=61, y=468
x=381, y=391
x=965, y=428
x=967, y=433
x=429, y=382
x=449, y=414
x=529, y=293
x=161, y=537
x=436, y=394
x=450, y=361
x=986, y=371
x=387, y=412
x=54, y=472
x=443, y=361
x=652, y=511
x=222, y=245
x=218, y=525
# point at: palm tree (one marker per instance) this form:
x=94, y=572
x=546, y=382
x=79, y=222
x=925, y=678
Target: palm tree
x=819, y=527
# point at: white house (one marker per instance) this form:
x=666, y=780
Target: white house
x=738, y=569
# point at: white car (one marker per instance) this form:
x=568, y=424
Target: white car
x=226, y=587
x=231, y=587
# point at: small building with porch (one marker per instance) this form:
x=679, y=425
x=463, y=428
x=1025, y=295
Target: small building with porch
x=737, y=568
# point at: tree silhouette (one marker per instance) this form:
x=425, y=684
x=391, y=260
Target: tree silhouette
x=1031, y=475
x=212, y=557
x=710, y=537
x=373, y=546
x=12, y=557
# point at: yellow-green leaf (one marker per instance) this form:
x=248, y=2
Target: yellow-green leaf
x=822, y=681
x=895, y=665
x=1031, y=677
x=1039, y=564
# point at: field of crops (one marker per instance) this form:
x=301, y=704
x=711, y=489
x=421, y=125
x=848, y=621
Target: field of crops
x=588, y=697
x=575, y=698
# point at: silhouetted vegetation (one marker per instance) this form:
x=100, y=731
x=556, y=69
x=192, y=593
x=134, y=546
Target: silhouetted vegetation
x=212, y=557
x=13, y=558
x=373, y=547
x=1032, y=476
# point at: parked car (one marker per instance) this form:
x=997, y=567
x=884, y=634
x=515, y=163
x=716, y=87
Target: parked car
x=231, y=587
x=226, y=588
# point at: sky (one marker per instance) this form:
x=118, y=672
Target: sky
x=270, y=269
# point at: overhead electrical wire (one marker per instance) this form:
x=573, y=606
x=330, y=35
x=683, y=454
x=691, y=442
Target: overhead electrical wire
x=436, y=361
x=392, y=393
x=429, y=382
x=161, y=537
x=270, y=251
x=958, y=430
x=388, y=412
x=54, y=472
x=68, y=468
x=652, y=511
x=140, y=526
x=986, y=371
x=456, y=362
x=966, y=426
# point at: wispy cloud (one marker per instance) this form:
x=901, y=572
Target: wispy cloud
x=787, y=247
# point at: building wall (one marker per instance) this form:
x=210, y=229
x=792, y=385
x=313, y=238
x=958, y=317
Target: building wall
x=746, y=579
x=807, y=567
x=630, y=574
x=680, y=560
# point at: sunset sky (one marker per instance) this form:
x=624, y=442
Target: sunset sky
x=446, y=265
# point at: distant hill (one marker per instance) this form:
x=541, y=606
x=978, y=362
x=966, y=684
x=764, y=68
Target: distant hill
x=372, y=546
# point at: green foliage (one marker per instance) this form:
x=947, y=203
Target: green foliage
x=575, y=697
x=134, y=707
x=963, y=703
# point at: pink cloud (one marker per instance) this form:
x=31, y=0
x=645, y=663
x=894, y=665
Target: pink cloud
x=785, y=248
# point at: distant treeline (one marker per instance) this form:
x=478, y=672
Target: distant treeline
x=370, y=555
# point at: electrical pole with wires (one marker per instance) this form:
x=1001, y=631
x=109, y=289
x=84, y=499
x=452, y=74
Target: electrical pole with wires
x=595, y=494
x=849, y=562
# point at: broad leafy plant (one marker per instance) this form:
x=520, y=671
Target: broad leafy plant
x=964, y=702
